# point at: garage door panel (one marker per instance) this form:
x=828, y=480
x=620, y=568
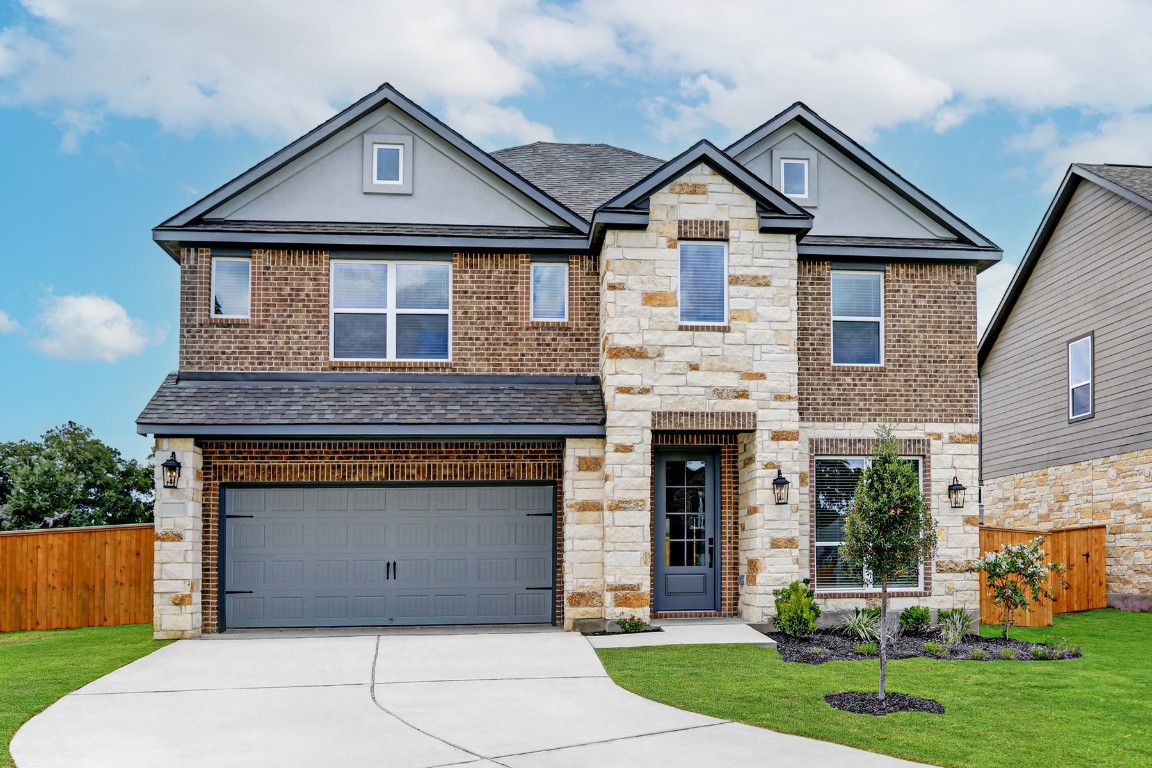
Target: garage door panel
x=320, y=556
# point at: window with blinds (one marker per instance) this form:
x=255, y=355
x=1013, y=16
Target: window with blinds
x=383, y=310
x=231, y=287
x=857, y=318
x=703, y=283
x=550, y=292
x=834, y=486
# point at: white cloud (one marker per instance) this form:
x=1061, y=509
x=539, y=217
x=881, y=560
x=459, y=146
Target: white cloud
x=8, y=324
x=1118, y=140
x=90, y=327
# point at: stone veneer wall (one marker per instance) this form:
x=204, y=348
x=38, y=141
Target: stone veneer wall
x=178, y=557
x=583, y=512
x=948, y=449
x=1114, y=490
x=658, y=374
x=492, y=330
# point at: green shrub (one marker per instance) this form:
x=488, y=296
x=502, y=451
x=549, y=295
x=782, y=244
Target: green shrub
x=863, y=624
x=1066, y=649
x=865, y=649
x=814, y=650
x=632, y=624
x=954, y=624
x=978, y=654
x=915, y=620
x=1008, y=654
x=796, y=609
x=936, y=649
x=1039, y=653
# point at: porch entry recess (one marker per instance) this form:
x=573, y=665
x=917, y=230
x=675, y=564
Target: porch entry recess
x=686, y=542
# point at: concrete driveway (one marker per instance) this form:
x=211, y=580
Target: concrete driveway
x=405, y=701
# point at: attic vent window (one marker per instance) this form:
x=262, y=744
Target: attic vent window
x=388, y=163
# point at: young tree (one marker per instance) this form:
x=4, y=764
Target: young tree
x=1017, y=577
x=888, y=529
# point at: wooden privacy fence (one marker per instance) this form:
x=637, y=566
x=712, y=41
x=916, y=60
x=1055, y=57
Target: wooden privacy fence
x=1080, y=549
x=76, y=577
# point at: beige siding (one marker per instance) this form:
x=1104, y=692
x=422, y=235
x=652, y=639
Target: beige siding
x=1093, y=276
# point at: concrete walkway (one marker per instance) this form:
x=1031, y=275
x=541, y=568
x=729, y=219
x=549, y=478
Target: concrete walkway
x=393, y=700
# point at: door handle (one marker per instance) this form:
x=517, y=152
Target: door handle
x=711, y=550
x=395, y=570
x=387, y=571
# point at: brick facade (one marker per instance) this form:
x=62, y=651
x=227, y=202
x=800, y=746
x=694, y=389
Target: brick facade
x=492, y=330
x=1111, y=489
x=929, y=371
x=366, y=462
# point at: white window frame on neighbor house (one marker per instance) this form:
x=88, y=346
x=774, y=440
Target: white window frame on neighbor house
x=878, y=320
x=803, y=163
x=723, y=246
x=1082, y=342
x=212, y=287
x=560, y=266
x=867, y=585
x=391, y=310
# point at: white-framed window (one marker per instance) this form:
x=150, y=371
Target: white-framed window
x=387, y=163
x=549, y=291
x=834, y=486
x=794, y=177
x=1080, y=375
x=703, y=283
x=857, y=317
x=390, y=310
x=231, y=287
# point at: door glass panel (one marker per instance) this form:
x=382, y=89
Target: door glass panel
x=694, y=473
x=685, y=514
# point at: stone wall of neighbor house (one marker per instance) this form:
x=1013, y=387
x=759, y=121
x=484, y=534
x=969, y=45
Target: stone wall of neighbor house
x=583, y=512
x=947, y=450
x=492, y=332
x=1114, y=490
x=929, y=372
x=658, y=374
x=177, y=604
x=274, y=461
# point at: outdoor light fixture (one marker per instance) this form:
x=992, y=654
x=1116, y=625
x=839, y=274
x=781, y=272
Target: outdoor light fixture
x=780, y=487
x=956, y=493
x=171, y=471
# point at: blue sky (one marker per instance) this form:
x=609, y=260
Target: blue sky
x=117, y=114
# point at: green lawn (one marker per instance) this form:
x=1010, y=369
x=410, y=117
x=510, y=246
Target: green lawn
x=1096, y=710
x=37, y=668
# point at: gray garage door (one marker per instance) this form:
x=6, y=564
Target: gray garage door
x=371, y=556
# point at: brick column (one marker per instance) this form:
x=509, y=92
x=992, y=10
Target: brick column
x=179, y=551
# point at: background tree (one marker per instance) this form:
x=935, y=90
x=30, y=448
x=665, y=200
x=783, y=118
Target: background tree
x=888, y=529
x=71, y=472
x=1017, y=577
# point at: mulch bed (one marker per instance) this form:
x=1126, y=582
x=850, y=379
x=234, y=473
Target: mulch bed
x=828, y=645
x=617, y=631
x=868, y=704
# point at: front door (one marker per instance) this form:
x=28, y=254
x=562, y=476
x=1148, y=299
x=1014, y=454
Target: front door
x=686, y=555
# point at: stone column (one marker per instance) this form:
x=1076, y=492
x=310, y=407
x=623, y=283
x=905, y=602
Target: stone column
x=178, y=560
x=583, y=530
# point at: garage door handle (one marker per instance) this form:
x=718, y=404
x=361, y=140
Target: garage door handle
x=239, y=515
x=238, y=592
x=387, y=571
x=538, y=514
x=538, y=589
x=395, y=570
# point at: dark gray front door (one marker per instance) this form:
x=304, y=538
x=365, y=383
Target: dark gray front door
x=686, y=555
x=299, y=556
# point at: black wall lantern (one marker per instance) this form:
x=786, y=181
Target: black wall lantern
x=780, y=487
x=171, y=471
x=956, y=493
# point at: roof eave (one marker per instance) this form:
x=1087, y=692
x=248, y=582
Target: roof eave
x=502, y=430
x=983, y=257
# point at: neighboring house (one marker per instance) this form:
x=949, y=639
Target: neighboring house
x=424, y=384
x=1066, y=375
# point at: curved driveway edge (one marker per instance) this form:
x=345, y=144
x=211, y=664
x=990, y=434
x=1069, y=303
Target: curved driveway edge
x=409, y=701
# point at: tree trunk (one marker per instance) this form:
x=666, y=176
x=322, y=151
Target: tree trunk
x=883, y=638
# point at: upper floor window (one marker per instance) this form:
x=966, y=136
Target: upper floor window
x=390, y=310
x=1080, y=401
x=703, y=283
x=857, y=317
x=795, y=177
x=231, y=287
x=550, y=291
x=388, y=163
x=835, y=485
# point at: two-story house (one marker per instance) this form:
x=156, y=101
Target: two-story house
x=1064, y=366
x=420, y=383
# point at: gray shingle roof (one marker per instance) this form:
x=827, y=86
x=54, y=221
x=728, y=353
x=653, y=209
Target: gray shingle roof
x=887, y=242
x=1134, y=178
x=581, y=176
x=388, y=405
